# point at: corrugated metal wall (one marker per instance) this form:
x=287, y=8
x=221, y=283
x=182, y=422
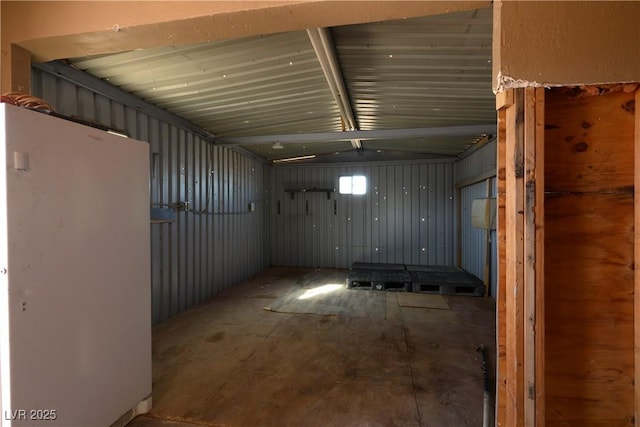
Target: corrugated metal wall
x=476, y=161
x=472, y=240
x=477, y=168
x=407, y=215
x=201, y=252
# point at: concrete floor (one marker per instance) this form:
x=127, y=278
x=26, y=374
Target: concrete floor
x=274, y=351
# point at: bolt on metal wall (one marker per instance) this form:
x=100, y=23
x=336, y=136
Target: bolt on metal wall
x=406, y=216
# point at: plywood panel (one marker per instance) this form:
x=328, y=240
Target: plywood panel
x=589, y=307
x=589, y=140
x=589, y=259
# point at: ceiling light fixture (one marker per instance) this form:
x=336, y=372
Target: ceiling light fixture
x=277, y=146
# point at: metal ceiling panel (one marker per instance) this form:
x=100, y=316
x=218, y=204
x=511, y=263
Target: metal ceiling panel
x=424, y=72
x=249, y=86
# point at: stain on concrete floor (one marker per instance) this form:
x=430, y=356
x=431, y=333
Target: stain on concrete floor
x=230, y=362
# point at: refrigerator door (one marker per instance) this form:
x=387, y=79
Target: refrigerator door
x=74, y=273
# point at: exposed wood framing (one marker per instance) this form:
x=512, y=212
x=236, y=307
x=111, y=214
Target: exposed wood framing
x=533, y=293
x=539, y=326
x=501, y=371
x=520, y=386
x=514, y=222
x=636, y=303
x=504, y=99
x=569, y=252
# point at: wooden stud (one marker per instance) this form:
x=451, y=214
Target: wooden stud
x=501, y=371
x=533, y=256
x=514, y=261
x=504, y=99
x=529, y=256
x=539, y=267
x=636, y=302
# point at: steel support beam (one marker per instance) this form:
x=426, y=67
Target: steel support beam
x=474, y=130
x=326, y=53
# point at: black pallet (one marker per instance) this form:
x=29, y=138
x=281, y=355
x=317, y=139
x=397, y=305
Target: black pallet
x=376, y=266
x=446, y=283
x=379, y=280
x=434, y=268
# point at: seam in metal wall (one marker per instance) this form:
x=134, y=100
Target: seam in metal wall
x=200, y=253
x=407, y=215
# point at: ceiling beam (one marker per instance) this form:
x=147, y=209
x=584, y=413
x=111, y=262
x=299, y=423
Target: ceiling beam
x=326, y=53
x=474, y=130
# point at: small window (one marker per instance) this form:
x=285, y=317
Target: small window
x=356, y=184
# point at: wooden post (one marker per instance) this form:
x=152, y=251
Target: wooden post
x=636, y=310
x=521, y=268
x=539, y=325
x=514, y=218
x=534, y=257
x=504, y=100
x=529, y=256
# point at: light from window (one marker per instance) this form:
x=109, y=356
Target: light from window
x=356, y=184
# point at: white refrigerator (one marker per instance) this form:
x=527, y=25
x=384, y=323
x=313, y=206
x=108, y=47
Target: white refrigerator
x=75, y=295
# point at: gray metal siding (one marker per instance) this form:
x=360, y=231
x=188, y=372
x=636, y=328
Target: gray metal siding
x=406, y=216
x=472, y=240
x=474, y=162
x=200, y=253
x=479, y=162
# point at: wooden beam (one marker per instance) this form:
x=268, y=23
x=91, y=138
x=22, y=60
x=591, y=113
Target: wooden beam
x=533, y=254
x=501, y=374
x=504, y=99
x=540, y=414
x=529, y=257
x=636, y=300
x=514, y=261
